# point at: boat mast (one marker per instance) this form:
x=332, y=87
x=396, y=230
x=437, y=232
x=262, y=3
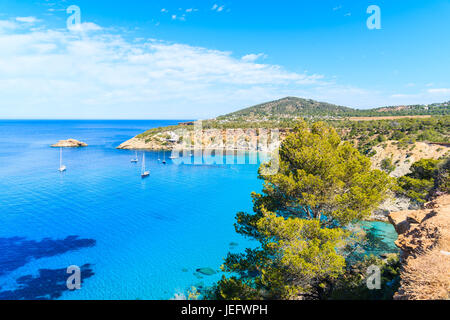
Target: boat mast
x=143, y=163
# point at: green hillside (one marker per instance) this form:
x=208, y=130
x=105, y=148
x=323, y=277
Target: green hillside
x=292, y=107
x=410, y=110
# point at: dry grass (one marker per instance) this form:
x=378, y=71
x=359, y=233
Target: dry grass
x=426, y=277
x=425, y=271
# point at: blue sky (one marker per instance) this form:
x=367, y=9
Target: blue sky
x=139, y=59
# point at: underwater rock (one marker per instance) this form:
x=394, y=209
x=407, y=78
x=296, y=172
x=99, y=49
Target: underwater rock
x=197, y=275
x=206, y=271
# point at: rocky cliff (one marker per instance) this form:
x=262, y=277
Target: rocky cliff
x=231, y=139
x=424, y=240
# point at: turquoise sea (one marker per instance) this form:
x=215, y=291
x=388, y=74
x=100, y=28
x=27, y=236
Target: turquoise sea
x=132, y=238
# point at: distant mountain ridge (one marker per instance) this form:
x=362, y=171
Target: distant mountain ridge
x=299, y=107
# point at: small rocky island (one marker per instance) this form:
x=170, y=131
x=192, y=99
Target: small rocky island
x=69, y=143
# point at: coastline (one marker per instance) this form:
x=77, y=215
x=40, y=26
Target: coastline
x=139, y=198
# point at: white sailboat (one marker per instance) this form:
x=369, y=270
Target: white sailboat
x=144, y=173
x=62, y=167
x=135, y=160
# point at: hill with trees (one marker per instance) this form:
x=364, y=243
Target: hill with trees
x=292, y=107
x=289, y=107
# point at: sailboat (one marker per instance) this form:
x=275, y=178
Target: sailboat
x=144, y=173
x=173, y=157
x=164, y=161
x=62, y=167
x=135, y=160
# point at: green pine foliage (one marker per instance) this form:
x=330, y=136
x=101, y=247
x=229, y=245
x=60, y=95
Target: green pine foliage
x=387, y=165
x=352, y=284
x=298, y=107
x=300, y=217
x=426, y=176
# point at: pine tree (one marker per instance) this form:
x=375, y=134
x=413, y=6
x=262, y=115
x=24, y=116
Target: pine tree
x=299, y=219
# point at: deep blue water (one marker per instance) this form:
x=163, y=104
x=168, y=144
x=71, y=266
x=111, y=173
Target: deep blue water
x=133, y=238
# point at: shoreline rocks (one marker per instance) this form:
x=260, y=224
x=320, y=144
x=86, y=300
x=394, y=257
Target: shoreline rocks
x=424, y=240
x=69, y=143
x=217, y=139
x=140, y=144
x=393, y=203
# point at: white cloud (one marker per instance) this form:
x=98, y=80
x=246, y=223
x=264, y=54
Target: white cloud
x=85, y=27
x=253, y=57
x=6, y=25
x=191, y=10
x=27, y=19
x=57, y=73
x=60, y=73
x=420, y=97
x=217, y=8
x=439, y=91
x=403, y=96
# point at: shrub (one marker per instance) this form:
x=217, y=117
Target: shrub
x=387, y=165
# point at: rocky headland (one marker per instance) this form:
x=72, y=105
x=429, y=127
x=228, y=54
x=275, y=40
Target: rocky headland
x=230, y=139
